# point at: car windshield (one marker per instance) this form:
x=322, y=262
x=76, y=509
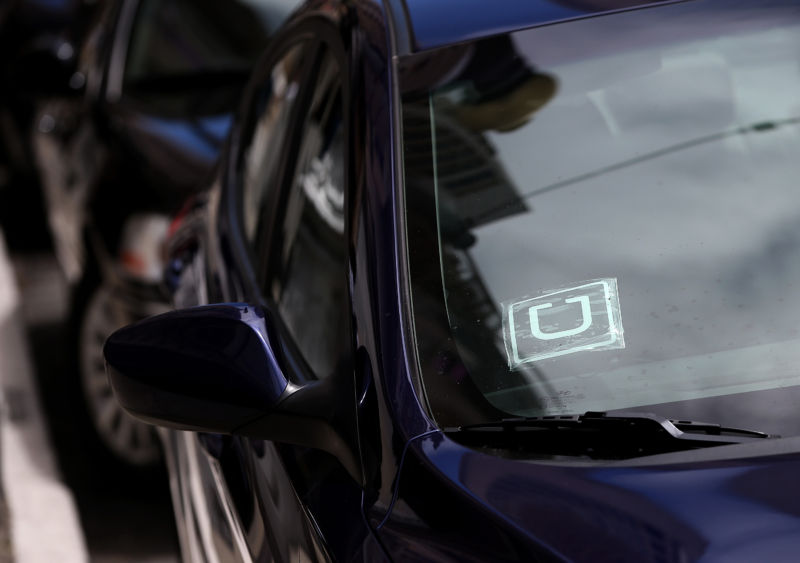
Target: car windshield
x=604, y=214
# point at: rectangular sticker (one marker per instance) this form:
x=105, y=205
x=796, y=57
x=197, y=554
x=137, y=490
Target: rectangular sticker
x=563, y=321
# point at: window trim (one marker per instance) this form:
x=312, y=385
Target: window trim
x=253, y=259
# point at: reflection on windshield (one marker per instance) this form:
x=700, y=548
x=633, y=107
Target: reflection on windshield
x=665, y=161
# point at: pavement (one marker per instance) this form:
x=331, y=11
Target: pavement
x=39, y=520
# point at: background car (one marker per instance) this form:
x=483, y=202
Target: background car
x=38, y=41
x=399, y=326
x=140, y=129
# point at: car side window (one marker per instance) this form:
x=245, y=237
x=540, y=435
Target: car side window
x=307, y=269
x=262, y=156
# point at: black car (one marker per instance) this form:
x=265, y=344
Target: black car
x=492, y=282
x=137, y=130
x=37, y=60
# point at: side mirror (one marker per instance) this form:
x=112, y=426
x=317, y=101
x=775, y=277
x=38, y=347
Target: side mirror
x=213, y=369
x=207, y=368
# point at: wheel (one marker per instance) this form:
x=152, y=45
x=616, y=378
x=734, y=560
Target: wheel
x=130, y=441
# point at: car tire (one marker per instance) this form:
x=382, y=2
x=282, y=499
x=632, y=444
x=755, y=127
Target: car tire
x=119, y=439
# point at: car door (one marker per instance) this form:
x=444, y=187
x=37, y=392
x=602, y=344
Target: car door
x=69, y=152
x=285, y=203
x=297, y=230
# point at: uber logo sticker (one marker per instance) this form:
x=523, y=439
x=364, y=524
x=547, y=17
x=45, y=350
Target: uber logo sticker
x=563, y=321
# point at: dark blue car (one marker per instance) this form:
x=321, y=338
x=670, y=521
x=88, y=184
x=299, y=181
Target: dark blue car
x=492, y=282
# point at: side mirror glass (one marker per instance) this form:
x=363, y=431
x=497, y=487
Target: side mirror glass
x=208, y=368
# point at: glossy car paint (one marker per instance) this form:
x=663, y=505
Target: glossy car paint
x=230, y=341
x=285, y=500
x=436, y=24
x=422, y=496
x=717, y=507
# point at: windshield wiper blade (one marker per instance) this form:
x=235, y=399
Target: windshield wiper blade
x=601, y=435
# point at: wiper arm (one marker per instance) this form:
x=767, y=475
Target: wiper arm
x=600, y=435
x=689, y=426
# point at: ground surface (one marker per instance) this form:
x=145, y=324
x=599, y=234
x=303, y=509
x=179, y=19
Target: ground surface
x=125, y=516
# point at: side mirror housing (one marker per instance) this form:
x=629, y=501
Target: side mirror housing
x=208, y=368
x=213, y=369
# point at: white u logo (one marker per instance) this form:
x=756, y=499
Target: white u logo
x=586, y=314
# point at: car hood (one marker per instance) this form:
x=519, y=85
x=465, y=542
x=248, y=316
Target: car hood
x=732, y=509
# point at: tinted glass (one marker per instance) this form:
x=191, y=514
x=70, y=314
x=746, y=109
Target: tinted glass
x=262, y=154
x=616, y=209
x=307, y=275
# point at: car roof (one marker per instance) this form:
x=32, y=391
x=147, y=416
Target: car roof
x=427, y=24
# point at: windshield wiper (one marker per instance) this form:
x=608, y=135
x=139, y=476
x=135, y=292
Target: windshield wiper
x=600, y=435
